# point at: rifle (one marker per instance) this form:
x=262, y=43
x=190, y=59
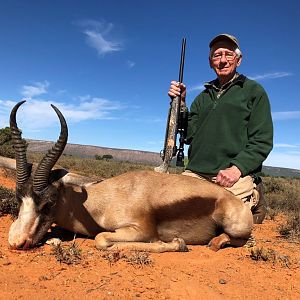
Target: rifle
x=176, y=124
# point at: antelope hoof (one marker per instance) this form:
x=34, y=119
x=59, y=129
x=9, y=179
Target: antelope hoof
x=214, y=246
x=181, y=245
x=218, y=242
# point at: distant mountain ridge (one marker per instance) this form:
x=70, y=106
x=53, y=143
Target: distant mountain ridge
x=135, y=156
x=280, y=172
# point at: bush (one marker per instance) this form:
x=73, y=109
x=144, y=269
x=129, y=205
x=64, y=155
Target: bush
x=7, y=151
x=6, y=147
x=107, y=157
x=5, y=135
x=283, y=196
x=291, y=229
x=8, y=203
x=103, y=157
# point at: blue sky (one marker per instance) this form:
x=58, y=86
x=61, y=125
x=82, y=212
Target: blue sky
x=107, y=65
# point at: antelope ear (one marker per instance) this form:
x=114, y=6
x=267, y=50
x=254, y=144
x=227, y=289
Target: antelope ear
x=57, y=174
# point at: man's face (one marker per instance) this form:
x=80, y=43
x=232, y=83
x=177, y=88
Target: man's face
x=223, y=59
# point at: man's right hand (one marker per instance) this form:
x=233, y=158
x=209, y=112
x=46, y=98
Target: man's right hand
x=175, y=89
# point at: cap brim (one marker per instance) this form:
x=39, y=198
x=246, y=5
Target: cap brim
x=222, y=37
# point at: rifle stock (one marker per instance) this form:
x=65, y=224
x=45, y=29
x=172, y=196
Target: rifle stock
x=176, y=123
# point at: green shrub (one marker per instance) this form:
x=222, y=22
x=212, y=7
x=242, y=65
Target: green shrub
x=103, y=157
x=107, y=156
x=8, y=202
x=6, y=148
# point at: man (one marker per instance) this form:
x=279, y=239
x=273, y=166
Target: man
x=230, y=130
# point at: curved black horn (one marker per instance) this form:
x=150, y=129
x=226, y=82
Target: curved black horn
x=41, y=176
x=23, y=168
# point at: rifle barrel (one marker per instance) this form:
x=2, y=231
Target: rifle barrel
x=182, y=60
x=170, y=148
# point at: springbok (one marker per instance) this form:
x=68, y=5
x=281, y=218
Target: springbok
x=141, y=210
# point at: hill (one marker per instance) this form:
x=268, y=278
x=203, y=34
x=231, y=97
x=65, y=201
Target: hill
x=136, y=156
x=281, y=172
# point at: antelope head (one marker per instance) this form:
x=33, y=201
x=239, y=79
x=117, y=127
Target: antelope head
x=35, y=191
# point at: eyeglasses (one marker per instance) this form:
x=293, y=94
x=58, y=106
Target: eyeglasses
x=230, y=56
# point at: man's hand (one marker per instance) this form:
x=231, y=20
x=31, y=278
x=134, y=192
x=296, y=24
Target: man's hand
x=229, y=176
x=175, y=89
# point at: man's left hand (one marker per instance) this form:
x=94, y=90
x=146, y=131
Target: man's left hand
x=229, y=176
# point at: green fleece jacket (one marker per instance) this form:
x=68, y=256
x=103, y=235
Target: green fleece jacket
x=233, y=127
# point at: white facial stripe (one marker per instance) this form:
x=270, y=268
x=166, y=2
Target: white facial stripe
x=21, y=228
x=27, y=205
x=27, y=214
x=34, y=225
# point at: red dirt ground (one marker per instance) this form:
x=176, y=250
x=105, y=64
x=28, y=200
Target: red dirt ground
x=197, y=274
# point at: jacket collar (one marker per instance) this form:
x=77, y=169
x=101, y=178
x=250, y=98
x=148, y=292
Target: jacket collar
x=237, y=79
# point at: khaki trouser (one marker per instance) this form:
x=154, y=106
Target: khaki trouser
x=244, y=188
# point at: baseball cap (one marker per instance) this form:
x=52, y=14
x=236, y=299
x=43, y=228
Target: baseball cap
x=224, y=36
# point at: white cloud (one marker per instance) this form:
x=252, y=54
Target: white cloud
x=97, y=41
x=285, y=160
x=285, y=115
x=39, y=88
x=37, y=113
x=97, y=36
x=5, y=108
x=148, y=119
x=199, y=87
x=130, y=64
x=155, y=143
x=270, y=75
x=282, y=145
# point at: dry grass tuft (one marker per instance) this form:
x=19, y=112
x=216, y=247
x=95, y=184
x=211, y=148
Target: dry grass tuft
x=260, y=253
x=70, y=255
x=113, y=256
x=135, y=258
x=139, y=258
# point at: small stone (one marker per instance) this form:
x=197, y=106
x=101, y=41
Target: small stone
x=53, y=242
x=222, y=281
